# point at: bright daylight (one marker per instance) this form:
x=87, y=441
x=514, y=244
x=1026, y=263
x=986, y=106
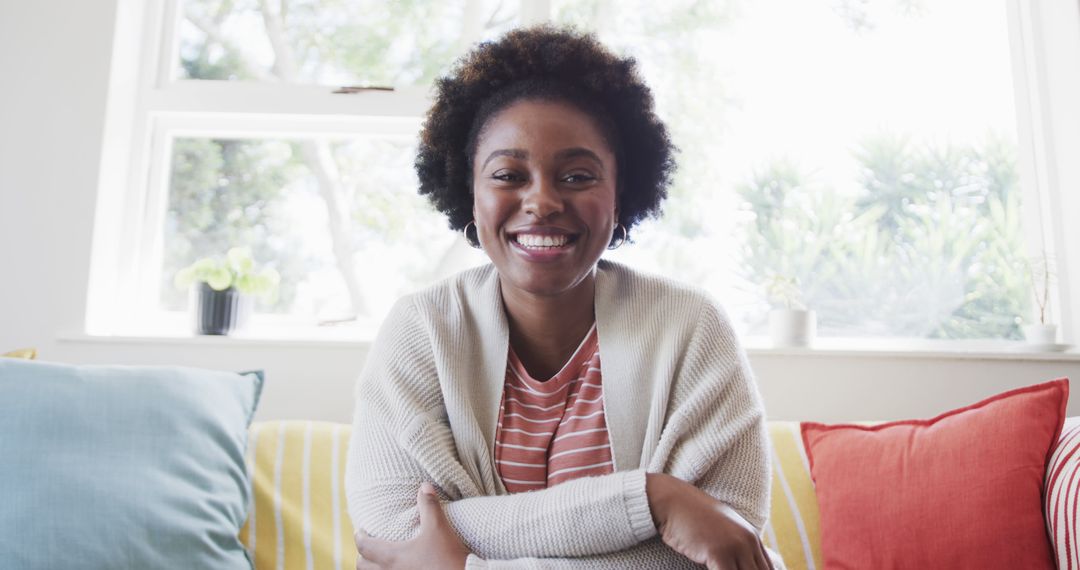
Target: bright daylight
x=540, y=284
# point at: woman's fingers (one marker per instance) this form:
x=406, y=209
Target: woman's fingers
x=431, y=512
x=763, y=557
x=372, y=549
x=727, y=564
x=362, y=564
x=755, y=557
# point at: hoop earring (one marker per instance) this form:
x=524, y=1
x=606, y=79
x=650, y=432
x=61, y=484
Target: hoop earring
x=622, y=240
x=465, y=232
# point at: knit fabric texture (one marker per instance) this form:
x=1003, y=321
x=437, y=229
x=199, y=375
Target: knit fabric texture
x=680, y=399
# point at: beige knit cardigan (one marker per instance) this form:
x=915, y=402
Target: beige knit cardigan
x=679, y=398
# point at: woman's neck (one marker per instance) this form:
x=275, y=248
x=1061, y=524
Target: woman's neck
x=545, y=330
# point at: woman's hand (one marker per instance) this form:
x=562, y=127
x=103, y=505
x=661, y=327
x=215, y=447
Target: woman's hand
x=699, y=527
x=436, y=546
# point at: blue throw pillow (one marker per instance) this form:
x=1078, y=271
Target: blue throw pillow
x=123, y=466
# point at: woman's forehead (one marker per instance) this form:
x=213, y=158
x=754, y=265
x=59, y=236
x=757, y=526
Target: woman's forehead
x=531, y=129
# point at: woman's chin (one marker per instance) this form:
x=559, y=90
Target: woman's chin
x=543, y=282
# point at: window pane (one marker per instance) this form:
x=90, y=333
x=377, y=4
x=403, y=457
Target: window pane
x=333, y=42
x=865, y=149
x=340, y=220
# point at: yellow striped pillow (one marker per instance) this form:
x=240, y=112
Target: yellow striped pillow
x=793, y=519
x=298, y=518
x=27, y=353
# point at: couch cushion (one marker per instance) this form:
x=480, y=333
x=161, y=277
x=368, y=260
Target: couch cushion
x=961, y=490
x=299, y=512
x=1063, y=493
x=792, y=529
x=26, y=353
x=123, y=467
x=299, y=518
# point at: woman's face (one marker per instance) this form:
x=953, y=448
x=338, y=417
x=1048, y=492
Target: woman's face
x=544, y=195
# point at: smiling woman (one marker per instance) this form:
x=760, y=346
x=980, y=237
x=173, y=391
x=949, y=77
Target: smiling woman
x=552, y=409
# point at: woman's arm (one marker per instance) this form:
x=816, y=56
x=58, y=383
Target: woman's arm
x=587, y=516
x=656, y=552
x=651, y=554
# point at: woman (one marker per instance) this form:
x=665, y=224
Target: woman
x=552, y=409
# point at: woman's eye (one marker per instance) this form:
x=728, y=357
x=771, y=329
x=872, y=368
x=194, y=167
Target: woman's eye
x=578, y=178
x=506, y=177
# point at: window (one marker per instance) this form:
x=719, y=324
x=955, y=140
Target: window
x=855, y=148
x=865, y=150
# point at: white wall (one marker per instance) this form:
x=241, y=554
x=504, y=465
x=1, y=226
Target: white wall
x=54, y=58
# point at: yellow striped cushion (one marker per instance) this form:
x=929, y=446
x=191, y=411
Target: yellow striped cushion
x=793, y=519
x=27, y=353
x=298, y=519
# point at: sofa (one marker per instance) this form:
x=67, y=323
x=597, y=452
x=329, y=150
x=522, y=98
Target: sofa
x=298, y=518
x=137, y=467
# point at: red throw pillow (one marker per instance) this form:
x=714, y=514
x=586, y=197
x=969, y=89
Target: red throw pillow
x=962, y=490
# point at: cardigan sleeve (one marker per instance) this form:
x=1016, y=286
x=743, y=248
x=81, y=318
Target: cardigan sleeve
x=652, y=554
x=715, y=435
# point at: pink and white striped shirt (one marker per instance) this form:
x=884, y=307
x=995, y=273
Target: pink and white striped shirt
x=553, y=430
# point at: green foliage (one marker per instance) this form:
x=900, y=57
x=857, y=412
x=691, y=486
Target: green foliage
x=235, y=269
x=342, y=42
x=225, y=192
x=930, y=247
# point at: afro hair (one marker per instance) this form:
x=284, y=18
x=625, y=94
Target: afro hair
x=552, y=64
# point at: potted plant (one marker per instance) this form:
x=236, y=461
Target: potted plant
x=1040, y=271
x=791, y=324
x=223, y=288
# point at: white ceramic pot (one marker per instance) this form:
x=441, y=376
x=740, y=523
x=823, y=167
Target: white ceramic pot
x=1043, y=335
x=792, y=327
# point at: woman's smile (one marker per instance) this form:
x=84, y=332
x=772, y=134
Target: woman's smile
x=543, y=244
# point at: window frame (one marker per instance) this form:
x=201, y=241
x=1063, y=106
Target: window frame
x=133, y=209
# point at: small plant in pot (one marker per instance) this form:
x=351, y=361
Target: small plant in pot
x=223, y=288
x=1041, y=272
x=791, y=324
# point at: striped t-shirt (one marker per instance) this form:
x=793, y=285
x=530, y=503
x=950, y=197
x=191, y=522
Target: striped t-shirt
x=554, y=430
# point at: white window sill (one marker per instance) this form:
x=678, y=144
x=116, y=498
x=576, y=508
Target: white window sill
x=356, y=337
x=916, y=348
x=350, y=338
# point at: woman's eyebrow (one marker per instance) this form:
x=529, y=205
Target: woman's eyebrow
x=576, y=152
x=511, y=152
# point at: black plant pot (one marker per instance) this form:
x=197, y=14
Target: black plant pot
x=219, y=312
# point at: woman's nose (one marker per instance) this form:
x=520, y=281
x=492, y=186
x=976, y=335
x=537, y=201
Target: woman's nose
x=542, y=198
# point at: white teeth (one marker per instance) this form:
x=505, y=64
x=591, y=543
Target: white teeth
x=533, y=240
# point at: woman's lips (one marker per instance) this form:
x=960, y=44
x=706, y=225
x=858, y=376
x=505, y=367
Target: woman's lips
x=542, y=254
